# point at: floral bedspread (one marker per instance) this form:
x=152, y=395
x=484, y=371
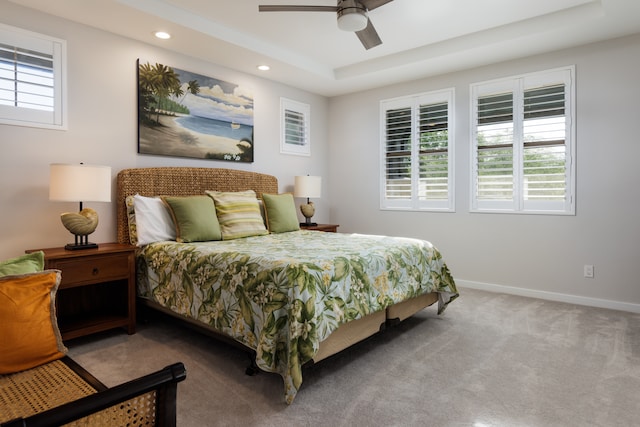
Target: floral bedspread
x=282, y=294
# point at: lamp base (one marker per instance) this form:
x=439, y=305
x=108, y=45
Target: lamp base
x=79, y=246
x=81, y=242
x=308, y=224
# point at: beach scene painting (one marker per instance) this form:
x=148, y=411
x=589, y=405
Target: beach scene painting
x=184, y=114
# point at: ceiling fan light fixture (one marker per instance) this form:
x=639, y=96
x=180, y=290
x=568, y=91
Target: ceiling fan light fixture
x=351, y=14
x=352, y=20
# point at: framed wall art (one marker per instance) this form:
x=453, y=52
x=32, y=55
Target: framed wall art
x=184, y=114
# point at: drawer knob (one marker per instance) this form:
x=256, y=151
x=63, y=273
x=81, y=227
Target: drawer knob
x=95, y=271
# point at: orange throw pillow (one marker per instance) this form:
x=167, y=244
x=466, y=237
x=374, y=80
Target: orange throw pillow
x=29, y=334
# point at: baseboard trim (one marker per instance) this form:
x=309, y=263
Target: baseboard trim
x=551, y=296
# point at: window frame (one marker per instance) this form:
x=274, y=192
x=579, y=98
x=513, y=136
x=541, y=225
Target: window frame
x=303, y=110
x=415, y=101
x=518, y=85
x=40, y=43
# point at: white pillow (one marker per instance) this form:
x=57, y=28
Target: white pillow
x=153, y=220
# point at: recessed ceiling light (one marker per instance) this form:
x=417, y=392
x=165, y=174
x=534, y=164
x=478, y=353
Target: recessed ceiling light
x=264, y=67
x=162, y=35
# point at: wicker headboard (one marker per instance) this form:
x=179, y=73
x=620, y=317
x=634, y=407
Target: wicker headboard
x=183, y=181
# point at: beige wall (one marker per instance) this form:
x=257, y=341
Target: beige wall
x=526, y=254
x=103, y=130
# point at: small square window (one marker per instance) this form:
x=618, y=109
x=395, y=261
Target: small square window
x=294, y=128
x=31, y=79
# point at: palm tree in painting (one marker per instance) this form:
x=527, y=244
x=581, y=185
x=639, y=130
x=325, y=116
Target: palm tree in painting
x=157, y=83
x=193, y=87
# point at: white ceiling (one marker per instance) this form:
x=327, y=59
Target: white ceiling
x=421, y=38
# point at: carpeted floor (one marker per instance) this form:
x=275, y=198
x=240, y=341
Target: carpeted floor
x=490, y=360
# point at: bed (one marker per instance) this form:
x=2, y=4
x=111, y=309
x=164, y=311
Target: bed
x=290, y=298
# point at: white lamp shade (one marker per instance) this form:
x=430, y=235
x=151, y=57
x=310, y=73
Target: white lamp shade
x=307, y=186
x=352, y=21
x=80, y=183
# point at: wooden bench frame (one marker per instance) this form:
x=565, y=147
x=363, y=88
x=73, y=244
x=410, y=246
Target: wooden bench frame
x=163, y=382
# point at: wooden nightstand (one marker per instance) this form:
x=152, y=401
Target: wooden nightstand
x=97, y=291
x=330, y=228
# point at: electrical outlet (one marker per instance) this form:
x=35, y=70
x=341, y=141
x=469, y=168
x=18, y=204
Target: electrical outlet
x=588, y=271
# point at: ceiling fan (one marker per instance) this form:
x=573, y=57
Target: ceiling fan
x=352, y=16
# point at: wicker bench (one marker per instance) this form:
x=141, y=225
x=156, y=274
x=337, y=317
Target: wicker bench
x=63, y=393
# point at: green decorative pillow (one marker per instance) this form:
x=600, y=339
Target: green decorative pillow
x=238, y=213
x=30, y=334
x=280, y=210
x=29, y=263
x=195, y=218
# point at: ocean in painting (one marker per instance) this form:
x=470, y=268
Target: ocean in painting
x=216, y=127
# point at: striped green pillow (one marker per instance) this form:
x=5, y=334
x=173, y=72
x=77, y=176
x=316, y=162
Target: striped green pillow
x=238, y=214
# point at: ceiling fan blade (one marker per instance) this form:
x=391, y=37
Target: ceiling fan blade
x=373, y=4
x=292, y=8
x=369, y=36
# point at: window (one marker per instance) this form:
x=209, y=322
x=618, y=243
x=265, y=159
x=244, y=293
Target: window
x=523, y=144
x=294, y=129
x=417, y=152
x=31, y=79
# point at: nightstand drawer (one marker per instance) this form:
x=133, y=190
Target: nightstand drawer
x=92, y=269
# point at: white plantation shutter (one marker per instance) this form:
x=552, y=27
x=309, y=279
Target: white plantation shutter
x=294, y=137
x=495, y=147
x=295, y=128
x=434, y=152
x=398, y=146
x=416, y=152
x=522, y=144
x=545, y=151
x=31, y=79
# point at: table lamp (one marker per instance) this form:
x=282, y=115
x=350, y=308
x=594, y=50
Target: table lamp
x=307, y=186
x=80, y=183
